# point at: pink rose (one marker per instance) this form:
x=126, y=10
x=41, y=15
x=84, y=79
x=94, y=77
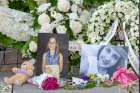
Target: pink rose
x=50, y=83
x=124, y=76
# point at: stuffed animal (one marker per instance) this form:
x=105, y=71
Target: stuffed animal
x=21, y=74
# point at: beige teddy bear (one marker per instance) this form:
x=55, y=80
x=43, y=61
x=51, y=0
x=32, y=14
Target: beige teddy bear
x=21, y=74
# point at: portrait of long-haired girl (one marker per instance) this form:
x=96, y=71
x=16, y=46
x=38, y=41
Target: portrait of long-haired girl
x=52, y=55
x=52, y=58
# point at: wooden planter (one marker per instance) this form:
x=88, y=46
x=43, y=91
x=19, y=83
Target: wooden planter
x=9, y=58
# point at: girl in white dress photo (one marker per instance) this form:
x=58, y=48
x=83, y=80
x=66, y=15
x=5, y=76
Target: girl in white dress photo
x=52, y=63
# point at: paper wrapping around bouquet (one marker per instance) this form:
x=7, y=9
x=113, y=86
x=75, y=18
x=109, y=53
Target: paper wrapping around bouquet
x=53, y=70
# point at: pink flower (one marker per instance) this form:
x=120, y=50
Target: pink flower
x=50, y=83
x=124, y=76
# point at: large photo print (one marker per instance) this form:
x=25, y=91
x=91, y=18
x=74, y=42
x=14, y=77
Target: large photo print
x=102, y=59
x=52, y=55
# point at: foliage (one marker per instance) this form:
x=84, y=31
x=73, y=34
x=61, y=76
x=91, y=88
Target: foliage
x=8, y=42
x=19, y=5
x=22, y=5
x=74, y=58
x=95, y=3
x=27, y=5
x=53, y=2
x=90, y=85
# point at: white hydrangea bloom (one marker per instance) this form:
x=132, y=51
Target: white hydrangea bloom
x=80, y=41
x=61, y=29
x=43, y=7
x=15, y=24
x=57, y=16
x=46, y=28
x=73, y=16
x=76, y=8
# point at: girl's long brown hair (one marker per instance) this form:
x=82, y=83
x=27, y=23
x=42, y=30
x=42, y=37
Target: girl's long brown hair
x=57, y=45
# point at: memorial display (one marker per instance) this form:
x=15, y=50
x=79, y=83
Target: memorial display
x=75, y=44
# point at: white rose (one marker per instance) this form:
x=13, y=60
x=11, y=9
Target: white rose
x=80, y=41
x=43, y=19
x=33, y=46
x=84, y=17
x=43, y=7
x=56, y=15
x=76, y=8
x=4, y=3
x=73, y=16
x=63, y=5
x=23, y=36
x=61, y=29
x=46, y=28
x=75, y=26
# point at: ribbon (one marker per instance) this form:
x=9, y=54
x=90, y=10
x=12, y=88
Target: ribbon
x=111, y=33
x=131, y=55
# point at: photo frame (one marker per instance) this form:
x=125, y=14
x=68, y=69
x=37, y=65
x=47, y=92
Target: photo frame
x=62, y=41
x=102, y=59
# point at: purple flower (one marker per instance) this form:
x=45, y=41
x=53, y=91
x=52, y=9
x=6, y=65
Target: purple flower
x=84, y=77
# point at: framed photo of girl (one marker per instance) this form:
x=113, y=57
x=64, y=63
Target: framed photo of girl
x=102, y=59
x=52, y=54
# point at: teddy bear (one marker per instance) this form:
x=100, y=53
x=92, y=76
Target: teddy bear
x=21, y=74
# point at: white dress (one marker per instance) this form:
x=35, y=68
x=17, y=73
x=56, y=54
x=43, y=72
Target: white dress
x=37, y=80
